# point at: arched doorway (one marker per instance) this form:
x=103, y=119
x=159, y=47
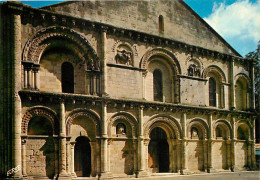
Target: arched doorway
x=82, y=158
x=158, y=150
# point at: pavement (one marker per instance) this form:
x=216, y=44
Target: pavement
x=248, y=175
x=240, y=175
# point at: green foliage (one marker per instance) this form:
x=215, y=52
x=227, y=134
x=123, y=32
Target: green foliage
x=256, y=56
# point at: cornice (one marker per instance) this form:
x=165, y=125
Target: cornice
x=47, y=18
x=80, y=99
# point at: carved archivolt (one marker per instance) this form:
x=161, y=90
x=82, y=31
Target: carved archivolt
x=225, y=125
x=93, y=116
x=170, y=125
x=216, y=70
x=248, y=126
x=42, y=112
x=163, y=53
x=50, y=36
x=201, y=125
x=244, y=77
x=127, y=119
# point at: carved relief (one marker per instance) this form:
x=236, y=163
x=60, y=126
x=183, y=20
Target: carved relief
x=194, y=67
x=124, y=55
x=194, y=70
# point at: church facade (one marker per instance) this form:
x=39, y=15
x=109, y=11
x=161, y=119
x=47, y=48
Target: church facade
x=120, y=89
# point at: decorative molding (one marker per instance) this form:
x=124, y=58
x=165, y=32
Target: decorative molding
x=43, y=112
x=125, y=67
x=47, y=37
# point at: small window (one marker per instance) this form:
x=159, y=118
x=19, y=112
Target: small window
x=212, y=92
x=67, y=77
x=157, y=85
x=161, y=24
x=219, y=132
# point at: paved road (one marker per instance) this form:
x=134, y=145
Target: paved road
x=247, y=175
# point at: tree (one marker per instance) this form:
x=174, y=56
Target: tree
x=255, y=55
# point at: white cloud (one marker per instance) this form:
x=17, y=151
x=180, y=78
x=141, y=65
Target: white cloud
x=237, y=23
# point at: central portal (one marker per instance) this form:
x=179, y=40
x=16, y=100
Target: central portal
x=158, y=150
x=82, y=157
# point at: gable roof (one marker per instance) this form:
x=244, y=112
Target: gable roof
x=181, y=23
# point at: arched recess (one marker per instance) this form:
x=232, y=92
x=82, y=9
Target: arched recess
x=243, y=130
x=163, y=133
x=197, y=132
x=84, y=114
x=244, y=149
x=122, y=128
x=125, y=118
x=225, y=128
x=214, y=74
x=168, y=123
x=40, y=111
x=201, y=126
x=60, y=40
x=163, y=60
x=39, y=124
x=242, y=95
x=221, y=148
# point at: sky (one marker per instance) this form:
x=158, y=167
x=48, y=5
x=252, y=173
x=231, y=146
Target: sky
x=237, y=21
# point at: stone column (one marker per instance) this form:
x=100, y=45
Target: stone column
x=143, y=83
x=104, y=172
x=253, y=161
x=72, y=146
x=94, y=83
x=29, y=85
x=252, y=75
x=16, y=29
x=36, y=78
x=233, y=145
x=222, y=95
x=210, y=144
x=24, y=172
x=62, y=163
x=232, y=85
x=104, y=62
x=141, y=158
x=25, y=78
x=249, y=159
x=184, y=167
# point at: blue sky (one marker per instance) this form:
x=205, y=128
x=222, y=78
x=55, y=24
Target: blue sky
x=237, y=21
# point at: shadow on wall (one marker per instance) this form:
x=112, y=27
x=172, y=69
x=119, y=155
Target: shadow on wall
x=199, y=153
x=49, y=153
x=128, y=155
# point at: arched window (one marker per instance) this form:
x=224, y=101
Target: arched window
x=67, y=77
x=212, y=92
x=161, y=24
x=157, y=85
x=219, y=132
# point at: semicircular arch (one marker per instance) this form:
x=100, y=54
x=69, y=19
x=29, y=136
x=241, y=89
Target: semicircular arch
x=216, y=70
x=160, y=52
x=90, y=114
x=42, y=111
x=198, y=123
x=123, y=116
x=225, y=124
x=47, y=37
x=167, y=123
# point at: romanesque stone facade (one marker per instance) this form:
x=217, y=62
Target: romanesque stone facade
x=120, y=89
